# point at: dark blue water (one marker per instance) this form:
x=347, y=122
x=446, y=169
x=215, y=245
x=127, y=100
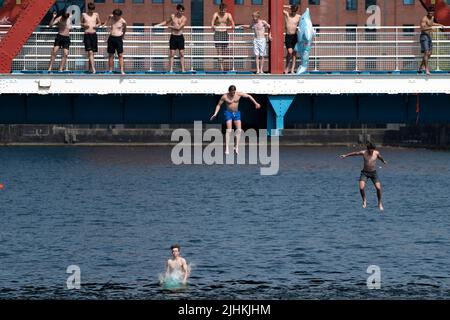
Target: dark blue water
x=302, y=234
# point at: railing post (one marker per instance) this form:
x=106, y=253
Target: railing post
x=437, y=50
x=396, y=50
x=191, y=45
x=357, y=49
x=151, y=48
x=233, y=44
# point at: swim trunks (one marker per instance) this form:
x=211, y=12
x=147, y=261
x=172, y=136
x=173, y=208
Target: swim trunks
x=259, y=46
x=176, y=42
x=232, y=116
x=372, y=175
x=221, y=39
x=62, y=41
x=115, y=44
x=90, y=42
x=426, y=43
x=290, y=40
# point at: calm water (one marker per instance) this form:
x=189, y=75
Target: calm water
x=298, y=235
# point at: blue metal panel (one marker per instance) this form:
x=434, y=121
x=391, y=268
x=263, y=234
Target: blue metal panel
x=434, y=108
x=147, y=109
x=98, y=109
x=300, y=110
x=190, y=108
x=49, y=109
x=382, y=108
x=12, y=108
x=335, y=109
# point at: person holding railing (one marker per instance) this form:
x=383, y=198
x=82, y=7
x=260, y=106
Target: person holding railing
x=90, y=21
x=221, y=20
x=426, y=26
x=292, y=19
x=176, y=23
x=259, y=42
x=62, y=40
x=118, y=27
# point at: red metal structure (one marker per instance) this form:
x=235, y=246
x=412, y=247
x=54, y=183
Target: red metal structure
x=230, y=6
x=29, y=16
x=277, y=27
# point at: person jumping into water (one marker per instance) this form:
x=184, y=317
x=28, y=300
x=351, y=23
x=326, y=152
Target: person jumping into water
x=232, y=114
x=177, y=268
x=371, y=155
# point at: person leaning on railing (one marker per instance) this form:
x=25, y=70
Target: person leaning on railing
x=62, y=40
x=426, y=44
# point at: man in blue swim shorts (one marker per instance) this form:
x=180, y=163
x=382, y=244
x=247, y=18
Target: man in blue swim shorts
x=232, y=114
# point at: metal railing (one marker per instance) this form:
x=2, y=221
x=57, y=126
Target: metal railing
x=334, y=49
x=377, y=48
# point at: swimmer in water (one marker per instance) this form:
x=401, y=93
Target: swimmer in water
x=371, y=155
x=177, y=270
x=232, y=114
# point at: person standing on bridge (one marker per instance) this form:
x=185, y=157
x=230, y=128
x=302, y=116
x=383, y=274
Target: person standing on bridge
x=220, y=22
x=292, y=19
x=118, y=27
x=426, y=26
x=232, y=114
x=176, y=23
x=62, y=40
x=259, y=42
x=371, y=155
x=90, y=21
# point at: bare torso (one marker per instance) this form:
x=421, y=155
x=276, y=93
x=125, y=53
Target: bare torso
x=177, y=22
x=176, y=265
x=232, y=102
x=64, y=26
x=117, y=27
x=370, y=160
x=291, y=23
x=427, y=25
x=259, y=28
x=221, y=21
x=90, y=22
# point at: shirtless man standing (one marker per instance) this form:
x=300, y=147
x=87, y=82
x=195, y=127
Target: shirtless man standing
x=62, y=40
x=177, y=269
x=232, y=114
x=176, y=23
x=90, y=21
x=259, y=26
x=118, y=28
x=292, y=20
x=426, y=26
x=369, y=172
x=220, y=22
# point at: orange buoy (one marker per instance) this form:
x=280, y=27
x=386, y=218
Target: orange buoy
x=1, y=186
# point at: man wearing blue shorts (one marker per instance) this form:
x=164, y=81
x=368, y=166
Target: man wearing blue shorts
x=232, y=114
